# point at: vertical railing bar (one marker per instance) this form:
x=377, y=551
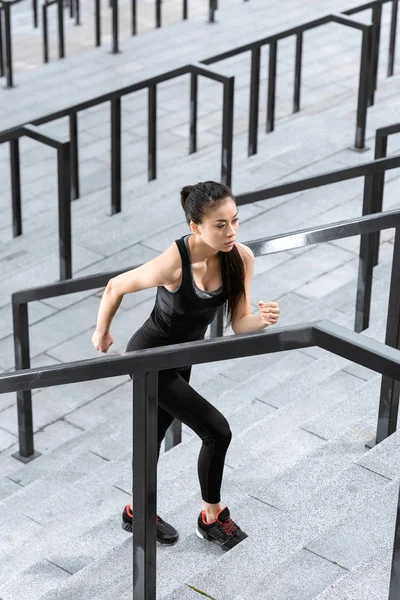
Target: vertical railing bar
x=78, y=12
x=363, y=87
x=379, y=186
x=97, y=22
x=116, y=162
x=185, y=11
x=45, y=34
x=144, y=476
x=297, y=72
x=392, y=40
x=64, y=210
x=73, y=134
x=390, y=388
x=211, y=11
x=2, y=69
x=152, y=132
x=16, y=187
x=134, y=17
x=61, y=44
x=193, y=113
x=227, y=131
x=24, y=399
x=115, y=27
x=273, y=51
x=254, y=100
x=377, y=23
x=8, y=44
x=35, y=13
x=158, y=14
x=366, y=264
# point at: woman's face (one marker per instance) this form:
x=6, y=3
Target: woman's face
x=220, y=226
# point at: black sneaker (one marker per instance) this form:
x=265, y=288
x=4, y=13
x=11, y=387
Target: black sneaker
x=223, y=531
x=166, y=534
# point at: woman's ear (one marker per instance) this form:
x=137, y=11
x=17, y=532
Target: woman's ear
x=195, y=228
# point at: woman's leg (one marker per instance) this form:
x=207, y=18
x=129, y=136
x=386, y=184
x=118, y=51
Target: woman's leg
x=179, y=399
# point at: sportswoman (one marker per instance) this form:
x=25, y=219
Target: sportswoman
x=195, y=276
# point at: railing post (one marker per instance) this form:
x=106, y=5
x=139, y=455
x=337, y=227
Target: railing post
x=273, y=52
x=227, y=131
x=61, y=44
x=158, y=14
x=152, y=132
x=392, y=41
x=35, y=13
x=173, y=437
x=73, y=134
x=116, y=163
x=185, y=11
x=212, y=7
x=364, y=87
x=297, y=72
x=24, y=399
x=194, y=79
x=45, y=34
x=134, y=17
x=377, y=22
x=16, y=187
x=8, y=44
x=366, y=264
x=115, y=27
x=254, y=100
x=379, y=186
x=394, y=589
x=390, y=388
x=64, y=209
x=97, y=22
x=144, y=465
x=2, y=70
x=77, y=12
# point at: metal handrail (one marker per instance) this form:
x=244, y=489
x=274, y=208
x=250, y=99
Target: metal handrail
x=145, y=365
x=364, y=226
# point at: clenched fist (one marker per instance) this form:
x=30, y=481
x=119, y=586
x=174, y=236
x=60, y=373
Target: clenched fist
x=102, y=341
x=269, y=312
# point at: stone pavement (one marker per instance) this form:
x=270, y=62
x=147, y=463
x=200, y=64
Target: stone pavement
x=304, y=415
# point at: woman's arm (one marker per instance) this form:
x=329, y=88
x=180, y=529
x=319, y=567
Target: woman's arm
x=161, y=270
x=243, y=321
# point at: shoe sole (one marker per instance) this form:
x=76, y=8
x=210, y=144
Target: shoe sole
x=129, y=529
x=204, y=536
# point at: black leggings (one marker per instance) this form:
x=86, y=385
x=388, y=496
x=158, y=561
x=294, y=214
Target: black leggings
x=176, y=398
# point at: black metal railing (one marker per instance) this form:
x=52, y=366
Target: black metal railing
x=60, y=17
x=365, y=80
x=6, y=60
x=145, y=365
x=114, y=99
x=363, y=226
x=378, y=184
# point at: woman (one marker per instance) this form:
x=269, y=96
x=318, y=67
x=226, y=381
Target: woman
x=194, y=277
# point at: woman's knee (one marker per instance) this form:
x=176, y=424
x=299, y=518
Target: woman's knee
x=221, y=434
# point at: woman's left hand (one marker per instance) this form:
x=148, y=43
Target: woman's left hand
x=269, y=312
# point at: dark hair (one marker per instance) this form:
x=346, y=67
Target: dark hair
x=196, y=200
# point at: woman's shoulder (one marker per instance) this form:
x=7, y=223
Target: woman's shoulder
x=245, y=252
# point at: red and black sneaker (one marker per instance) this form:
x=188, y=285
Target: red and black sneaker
x=223, y=531
x=166, y=534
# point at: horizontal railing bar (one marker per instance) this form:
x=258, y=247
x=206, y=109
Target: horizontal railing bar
x=325, y=233
x=348, y=22
x=334, y=338
x=34, y=132
x=358, y=348
x=275, y=37
x=166, y=357
x=389, y=130
x=363, y=7
x=369, y=168
x=134, y=87
x=269, y=245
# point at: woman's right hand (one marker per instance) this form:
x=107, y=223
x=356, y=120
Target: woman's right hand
x=102, y=341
